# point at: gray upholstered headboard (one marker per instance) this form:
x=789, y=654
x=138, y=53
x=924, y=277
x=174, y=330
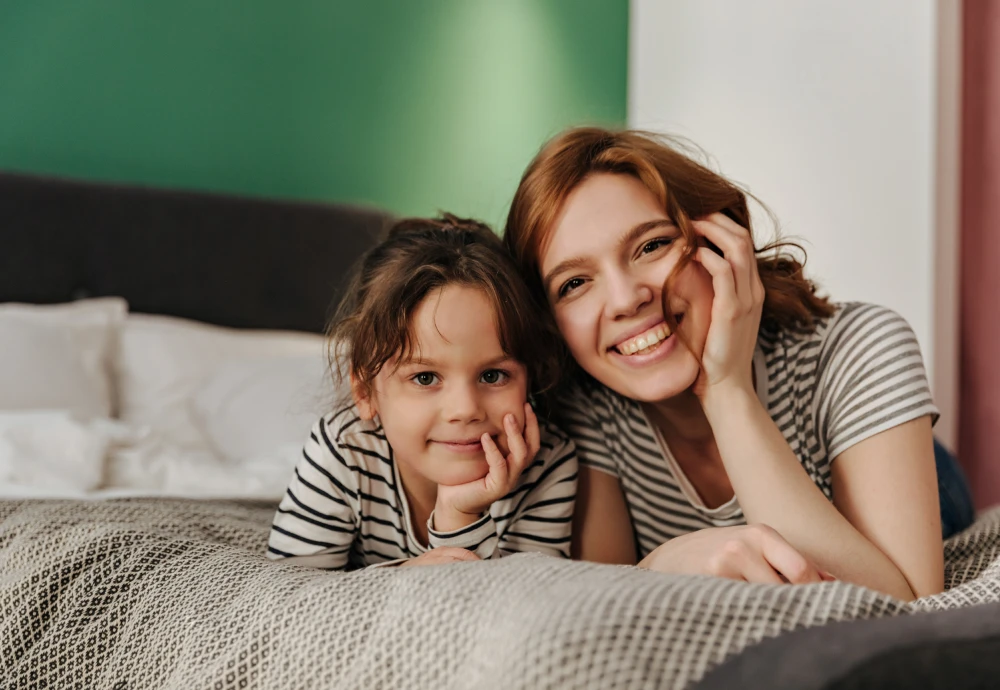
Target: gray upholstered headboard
x=242, y=262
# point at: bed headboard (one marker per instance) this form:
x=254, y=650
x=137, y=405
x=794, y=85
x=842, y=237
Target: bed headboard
x=231, y=261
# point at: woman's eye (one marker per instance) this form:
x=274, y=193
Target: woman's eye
x=653, y=245
x=569, y=285
x=494, y=376
x=424, y=378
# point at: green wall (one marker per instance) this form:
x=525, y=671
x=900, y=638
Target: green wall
x=413, y=106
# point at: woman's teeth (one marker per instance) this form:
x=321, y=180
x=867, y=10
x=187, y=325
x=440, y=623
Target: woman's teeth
x=645, y=342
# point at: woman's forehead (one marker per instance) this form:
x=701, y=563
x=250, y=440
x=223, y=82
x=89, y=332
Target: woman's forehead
x=597, y=215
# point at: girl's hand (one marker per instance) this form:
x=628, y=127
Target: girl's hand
x=461, y=505
x=736, y=309
x=440, y=556
x=753, y=553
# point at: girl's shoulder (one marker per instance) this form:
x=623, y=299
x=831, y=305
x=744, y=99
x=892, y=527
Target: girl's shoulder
x=344, y=426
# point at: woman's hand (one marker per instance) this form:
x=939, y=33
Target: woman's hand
x=736, y=308
x=461, y=505
x=440, y=556
x=753, y=553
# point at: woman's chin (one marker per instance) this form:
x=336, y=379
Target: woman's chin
x=652, y=384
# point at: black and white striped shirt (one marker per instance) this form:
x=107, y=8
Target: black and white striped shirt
x=345, y=507
x=827, y=387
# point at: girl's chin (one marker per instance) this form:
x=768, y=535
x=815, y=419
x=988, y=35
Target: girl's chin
x=465, y=477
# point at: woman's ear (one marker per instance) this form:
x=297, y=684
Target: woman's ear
x=364, y=402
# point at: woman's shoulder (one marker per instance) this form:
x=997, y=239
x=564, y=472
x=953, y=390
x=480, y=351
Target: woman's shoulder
x=849, y=323
x=585, y=397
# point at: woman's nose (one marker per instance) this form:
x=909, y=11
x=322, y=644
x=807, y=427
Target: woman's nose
x=626, y=294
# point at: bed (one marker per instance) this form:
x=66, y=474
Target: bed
x=137, y=488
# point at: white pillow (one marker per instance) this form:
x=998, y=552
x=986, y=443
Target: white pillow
x=59, y=356
x=52, y=450
x=254, y=406
x=164, y=362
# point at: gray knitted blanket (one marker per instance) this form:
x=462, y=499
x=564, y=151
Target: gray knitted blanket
x=147, y=593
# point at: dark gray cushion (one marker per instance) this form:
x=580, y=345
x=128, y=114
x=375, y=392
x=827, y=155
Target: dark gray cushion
x=959, y=648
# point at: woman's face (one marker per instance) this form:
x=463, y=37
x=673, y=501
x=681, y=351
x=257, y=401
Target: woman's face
x=603, y=267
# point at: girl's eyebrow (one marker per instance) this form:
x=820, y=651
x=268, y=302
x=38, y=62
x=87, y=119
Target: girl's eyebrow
x=628, y=237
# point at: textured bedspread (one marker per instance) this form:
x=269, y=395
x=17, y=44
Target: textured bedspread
x=142, y=593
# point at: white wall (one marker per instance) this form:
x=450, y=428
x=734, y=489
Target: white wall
x=827, y=111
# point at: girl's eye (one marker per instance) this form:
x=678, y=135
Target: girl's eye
x=569, y=285
x=494, y=376
x=653, y=245
x=424, y=378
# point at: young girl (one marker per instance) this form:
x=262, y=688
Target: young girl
x=440, y=447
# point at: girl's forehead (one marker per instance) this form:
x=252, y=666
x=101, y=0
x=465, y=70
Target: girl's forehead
x=455, y=316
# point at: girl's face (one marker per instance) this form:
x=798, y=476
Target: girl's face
x=603, y=267
x=456, y=385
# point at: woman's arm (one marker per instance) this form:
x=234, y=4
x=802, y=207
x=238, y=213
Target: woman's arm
x=886, y=486
x=602, y=530
x=774, y=489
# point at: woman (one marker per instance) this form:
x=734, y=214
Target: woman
x=729, y=420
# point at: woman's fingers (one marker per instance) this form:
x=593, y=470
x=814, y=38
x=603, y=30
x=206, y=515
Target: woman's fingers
x=723, y=281
x=736, y=244
x=786, y=560
x=753, y=567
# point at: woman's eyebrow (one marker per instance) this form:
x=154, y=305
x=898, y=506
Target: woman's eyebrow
x=630, y=236
x=641, y=229
x=563, y=266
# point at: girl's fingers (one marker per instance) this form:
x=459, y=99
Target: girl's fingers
x=532, y=435
x=495, y=459
x=515, y=441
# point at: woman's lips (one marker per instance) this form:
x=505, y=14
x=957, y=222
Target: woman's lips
x=647, y=341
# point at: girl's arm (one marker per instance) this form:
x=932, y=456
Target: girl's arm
x=315, y=522
x=543, y=517
x=538, y=511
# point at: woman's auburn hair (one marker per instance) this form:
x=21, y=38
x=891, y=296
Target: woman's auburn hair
x=685, y=189
x=372, y=325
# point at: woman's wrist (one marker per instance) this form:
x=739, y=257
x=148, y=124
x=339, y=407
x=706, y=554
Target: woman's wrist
x=723, y=400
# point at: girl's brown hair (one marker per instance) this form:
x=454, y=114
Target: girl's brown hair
x=685, y=189
x=420, y=255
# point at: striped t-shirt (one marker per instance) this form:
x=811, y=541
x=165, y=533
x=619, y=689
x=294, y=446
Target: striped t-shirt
x=345, y=507
x=828, y=387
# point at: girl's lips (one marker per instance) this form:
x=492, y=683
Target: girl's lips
x=465, y=446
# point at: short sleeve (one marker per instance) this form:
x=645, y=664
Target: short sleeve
x=871, y=377
x=579, y=412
